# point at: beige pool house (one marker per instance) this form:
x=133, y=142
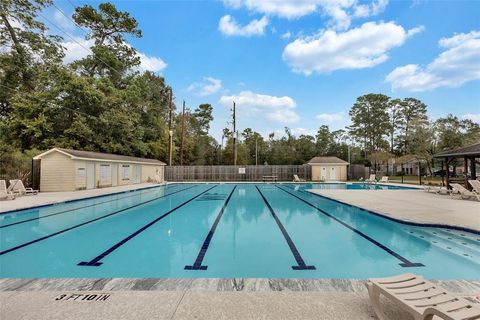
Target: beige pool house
x=69, y=170
x=328, y=169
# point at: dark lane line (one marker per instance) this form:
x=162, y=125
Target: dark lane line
x=405, y=262
x=197, y=265
x=301, y=263
x=79, y=208
x=87, y=222
x=95, y=262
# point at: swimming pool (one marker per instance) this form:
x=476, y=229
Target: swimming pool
x=226, y=230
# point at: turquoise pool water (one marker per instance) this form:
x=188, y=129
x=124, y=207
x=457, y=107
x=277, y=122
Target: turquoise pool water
x=226, y=230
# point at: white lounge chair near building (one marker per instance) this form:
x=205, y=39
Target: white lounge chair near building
x=462, y=192
x=297, y=179
x=18, y=188
x=421, y=298
x=475, y=185
x=4, y=192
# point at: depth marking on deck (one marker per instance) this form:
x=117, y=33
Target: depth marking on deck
x=87, y=297
x=197, y=265
x=405, y=262
x=301, y=263
x=95, y=262
x=87, y=222
x=80, y=208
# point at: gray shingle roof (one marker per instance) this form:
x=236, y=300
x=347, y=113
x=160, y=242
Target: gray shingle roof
x=471, y=150
x=329, y=160
x=108, y=156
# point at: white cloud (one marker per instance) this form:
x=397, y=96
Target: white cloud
x=63, y=21
x=331, y=117
x=207, y=87
x=340, y=11
x=456, y=65
x=299, y=131
x=151, y=63
x=78, y=49
x=277, y=109
x=471, y=116
x=362, y=47
x=286, y=35
x=229, y=27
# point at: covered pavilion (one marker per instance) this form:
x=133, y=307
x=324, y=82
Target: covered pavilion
x=470, y=155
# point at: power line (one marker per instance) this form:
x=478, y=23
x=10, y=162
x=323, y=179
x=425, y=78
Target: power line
x=66, y=16
x=72, y=4
x=80, y=44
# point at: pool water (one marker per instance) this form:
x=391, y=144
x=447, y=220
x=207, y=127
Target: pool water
x=355, y=186
x=226, y=230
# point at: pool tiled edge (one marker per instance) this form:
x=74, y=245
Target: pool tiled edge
x=208, y=284
x=81, y=199
x=406, y=222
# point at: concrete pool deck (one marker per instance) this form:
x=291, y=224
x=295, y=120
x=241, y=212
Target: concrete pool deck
x=46, y=198
x=197, y=298
x=411, y=205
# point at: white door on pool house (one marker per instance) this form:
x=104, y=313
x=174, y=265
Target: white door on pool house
x=90, y=175
x=323, y=173
x=136, y=173
x=114, y=174
x=333, y=173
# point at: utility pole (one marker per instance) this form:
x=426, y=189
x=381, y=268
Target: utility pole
x=183, y=133
x=256, y=150
x=234, y=136
x=170, y=131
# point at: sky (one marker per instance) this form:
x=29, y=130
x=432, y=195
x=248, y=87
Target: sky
x=301, y=64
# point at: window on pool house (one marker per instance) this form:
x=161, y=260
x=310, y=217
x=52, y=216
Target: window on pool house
x=126, y=172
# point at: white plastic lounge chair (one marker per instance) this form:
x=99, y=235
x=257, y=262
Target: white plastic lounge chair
x=18, y=188
x=360, y=179
x=372, y=179
x=297, y=179
x=475, y=185
x=458, y=189
x=421, y=298
x=4, y=192
x=437, y=190
x=384, y=179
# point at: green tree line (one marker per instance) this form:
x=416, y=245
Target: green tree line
x=103, y=102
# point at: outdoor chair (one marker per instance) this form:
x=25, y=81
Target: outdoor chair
x=437, y=190
x=18, y=188
x=297, y=179
x=371, y=179
x=384, y=179
x=421, y=298
x=4, y=192
x=475, y=185
x=464, y=193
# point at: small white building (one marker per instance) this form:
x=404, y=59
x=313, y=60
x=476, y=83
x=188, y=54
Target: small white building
x=69, y=170
x=328, y=169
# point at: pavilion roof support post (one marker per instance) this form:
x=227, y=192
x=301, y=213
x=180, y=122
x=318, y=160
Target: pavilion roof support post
x=465, y=170
x=443, y=175
x=473, y=168
x=447, y=170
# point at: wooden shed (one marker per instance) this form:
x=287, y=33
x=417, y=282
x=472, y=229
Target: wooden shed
x=328, y=169
x=69, y=170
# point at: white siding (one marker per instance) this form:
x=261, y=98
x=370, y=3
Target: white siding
x=57, y=173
